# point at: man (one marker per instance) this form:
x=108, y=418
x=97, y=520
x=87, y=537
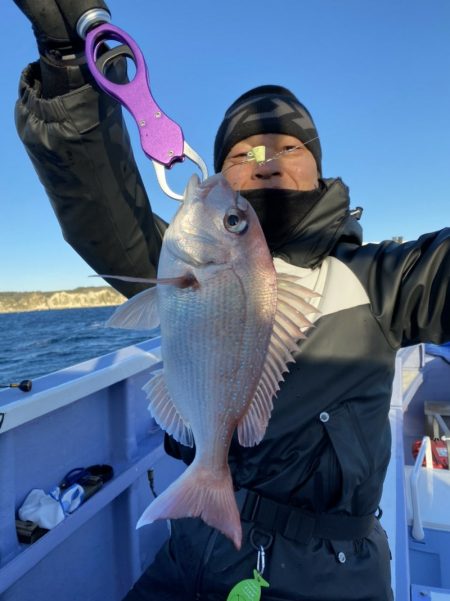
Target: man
x=309, y=492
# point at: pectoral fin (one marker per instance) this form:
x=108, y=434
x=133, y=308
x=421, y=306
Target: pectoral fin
x=140, y=312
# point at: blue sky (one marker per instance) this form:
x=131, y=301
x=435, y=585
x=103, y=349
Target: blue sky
x=374, y=74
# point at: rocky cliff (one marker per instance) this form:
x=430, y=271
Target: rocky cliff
x=15, y=302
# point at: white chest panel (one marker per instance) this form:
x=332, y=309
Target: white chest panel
x=338, y=286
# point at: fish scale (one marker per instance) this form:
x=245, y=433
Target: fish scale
x=220, y=373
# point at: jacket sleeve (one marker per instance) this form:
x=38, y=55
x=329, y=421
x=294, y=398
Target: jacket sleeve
x=409, y=288
x=80, y=149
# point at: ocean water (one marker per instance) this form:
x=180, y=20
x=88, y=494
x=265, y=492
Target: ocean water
x=39, y=342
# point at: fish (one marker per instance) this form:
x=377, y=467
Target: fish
x=229, y=327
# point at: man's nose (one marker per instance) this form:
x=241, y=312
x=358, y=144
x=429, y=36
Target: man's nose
x=267, y=170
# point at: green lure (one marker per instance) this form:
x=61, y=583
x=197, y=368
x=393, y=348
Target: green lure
x=257, y=153
x=248, y=590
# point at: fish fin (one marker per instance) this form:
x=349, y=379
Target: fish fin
x=182, y=281
x=252, y=426
x=285, y=280
x=199, y=493
x=140, y=312
x=164, y=411
x=125, y=278
x=289, y=320
x=294, y=295
x=191, y=189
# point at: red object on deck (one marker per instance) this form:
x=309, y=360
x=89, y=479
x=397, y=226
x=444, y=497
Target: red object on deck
x=438, y=451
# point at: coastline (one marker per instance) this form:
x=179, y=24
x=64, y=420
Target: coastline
x=20, y=302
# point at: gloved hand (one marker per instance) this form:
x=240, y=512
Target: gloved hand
x=62, y=65
x=52, y=32
x=54, y=24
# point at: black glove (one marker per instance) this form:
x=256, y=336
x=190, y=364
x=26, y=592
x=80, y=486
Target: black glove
x=54, y=24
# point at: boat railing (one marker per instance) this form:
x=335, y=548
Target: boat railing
x=68, y=390
x=424, y=453
x=393, y=502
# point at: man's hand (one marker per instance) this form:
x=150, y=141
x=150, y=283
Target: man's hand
x=54, y=23
x=52, y=32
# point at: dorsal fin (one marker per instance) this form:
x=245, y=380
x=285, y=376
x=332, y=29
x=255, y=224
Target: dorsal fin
x=287, y=330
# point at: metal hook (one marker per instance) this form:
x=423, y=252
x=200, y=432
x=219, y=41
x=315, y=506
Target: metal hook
x=161, y=171
x=261, y=561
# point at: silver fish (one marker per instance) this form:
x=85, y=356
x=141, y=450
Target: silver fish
x=229, y=325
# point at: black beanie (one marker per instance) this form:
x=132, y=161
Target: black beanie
x=266, y=110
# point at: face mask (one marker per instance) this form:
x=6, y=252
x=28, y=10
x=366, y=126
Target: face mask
x=280, y=212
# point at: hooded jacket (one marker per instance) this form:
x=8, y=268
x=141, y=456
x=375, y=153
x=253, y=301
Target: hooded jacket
x=327, y=446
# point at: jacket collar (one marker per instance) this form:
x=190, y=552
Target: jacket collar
x=328, y=222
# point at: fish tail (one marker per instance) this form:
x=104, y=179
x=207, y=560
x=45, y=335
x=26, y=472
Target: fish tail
x=199, y=493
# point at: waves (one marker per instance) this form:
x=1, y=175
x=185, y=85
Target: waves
x=39, y=342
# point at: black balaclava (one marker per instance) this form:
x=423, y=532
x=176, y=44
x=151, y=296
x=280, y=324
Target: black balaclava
x=280, y=212
x=272, y=109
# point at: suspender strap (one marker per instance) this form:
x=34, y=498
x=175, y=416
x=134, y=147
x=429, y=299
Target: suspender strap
x=300, y=525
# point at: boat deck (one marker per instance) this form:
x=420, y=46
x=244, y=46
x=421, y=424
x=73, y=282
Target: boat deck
x=419, y=528
x=95, y=413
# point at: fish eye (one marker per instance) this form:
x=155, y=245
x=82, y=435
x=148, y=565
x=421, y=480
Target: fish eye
x=235, y=221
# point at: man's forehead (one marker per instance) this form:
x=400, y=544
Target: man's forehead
x=269, y=139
